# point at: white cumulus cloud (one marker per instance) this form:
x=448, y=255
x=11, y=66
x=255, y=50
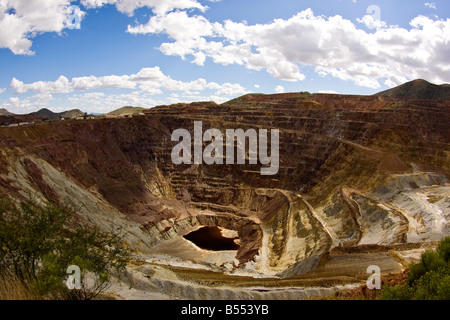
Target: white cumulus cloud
x=21, y=20
x=149, y=80
x=158, y=6
x=279, y=89
x=331, y=45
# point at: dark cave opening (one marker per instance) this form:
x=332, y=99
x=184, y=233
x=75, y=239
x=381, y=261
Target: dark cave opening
x=211, y=238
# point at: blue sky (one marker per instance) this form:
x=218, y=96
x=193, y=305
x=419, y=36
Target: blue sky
x=99, y=55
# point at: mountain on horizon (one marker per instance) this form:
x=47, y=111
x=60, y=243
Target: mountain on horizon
x=48, y=114
x=126, y=110
x=45, y=114
x=4, y=112
x=418, y=89
x=71, y=114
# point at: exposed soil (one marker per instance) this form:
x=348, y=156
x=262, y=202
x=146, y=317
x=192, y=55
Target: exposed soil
x=121, y=173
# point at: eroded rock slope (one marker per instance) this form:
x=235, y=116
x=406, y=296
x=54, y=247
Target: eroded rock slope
x=354, y=170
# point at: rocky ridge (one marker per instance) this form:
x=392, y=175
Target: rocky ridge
x=354, y=171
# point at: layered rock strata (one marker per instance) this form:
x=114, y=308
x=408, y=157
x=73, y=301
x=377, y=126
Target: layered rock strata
x=354, y=170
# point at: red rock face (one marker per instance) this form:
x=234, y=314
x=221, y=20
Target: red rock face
x=326, y=142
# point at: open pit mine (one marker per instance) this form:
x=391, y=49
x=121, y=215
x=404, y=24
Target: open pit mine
x=362, y=181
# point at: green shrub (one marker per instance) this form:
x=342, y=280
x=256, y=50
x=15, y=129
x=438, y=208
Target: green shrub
x=444, y=250
x=37, y=246
x=399, y=292
x=427, y=280
x=434, y=285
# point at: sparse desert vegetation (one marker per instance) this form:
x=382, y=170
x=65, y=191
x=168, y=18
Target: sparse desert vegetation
x=428, y=279
x=38, y=242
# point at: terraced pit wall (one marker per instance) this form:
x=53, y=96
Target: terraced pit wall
x=353, y=170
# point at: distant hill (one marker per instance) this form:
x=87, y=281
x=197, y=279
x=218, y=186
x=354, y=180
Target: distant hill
x=45, y=114
x=4, y=112
x=48, y=114
x=75, y=113
x=126, y=110
x=418, y=89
